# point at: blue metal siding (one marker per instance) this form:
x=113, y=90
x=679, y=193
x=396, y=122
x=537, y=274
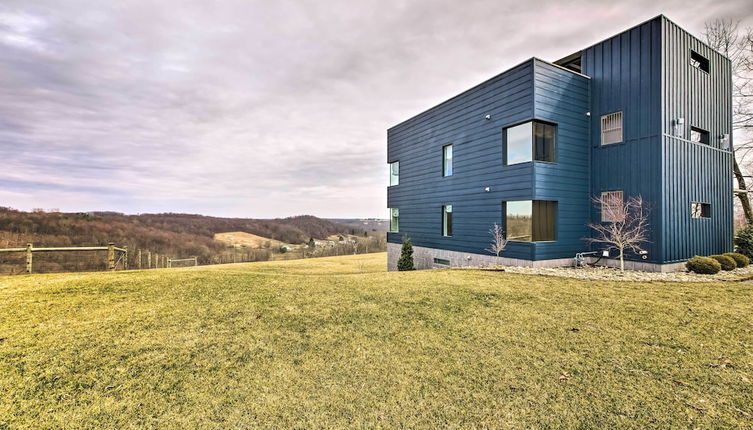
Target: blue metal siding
x=695, y=172
x=533, y=89
x=644, y=73
x=626, y=76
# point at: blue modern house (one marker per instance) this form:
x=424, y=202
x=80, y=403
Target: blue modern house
x=647, y=112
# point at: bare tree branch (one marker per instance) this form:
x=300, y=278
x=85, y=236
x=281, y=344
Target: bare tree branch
x=499, y=241
x=626, y=226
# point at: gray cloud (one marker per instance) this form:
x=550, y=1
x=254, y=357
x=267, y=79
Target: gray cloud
x=256, y=109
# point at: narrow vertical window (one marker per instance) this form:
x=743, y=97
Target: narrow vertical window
x=447, y=160
x=612, y=207
x=394, y=220
x=447, y=220
x=699, y=135
x=394, y=173
x=611, y=128
x=700, y=210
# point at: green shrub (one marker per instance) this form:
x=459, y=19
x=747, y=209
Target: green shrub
x=744, y=241
x=703, y=265
x=406, y=256
x=727, y=263
x=740, y=259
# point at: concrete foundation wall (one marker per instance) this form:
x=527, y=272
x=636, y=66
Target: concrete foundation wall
x=424, y=258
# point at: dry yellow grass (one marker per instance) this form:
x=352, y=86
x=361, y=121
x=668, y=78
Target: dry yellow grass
x=340, y=343
x=246, y=239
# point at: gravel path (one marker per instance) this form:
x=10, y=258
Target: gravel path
x=610, y=274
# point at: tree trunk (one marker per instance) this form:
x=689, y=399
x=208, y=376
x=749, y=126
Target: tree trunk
x=744, y=200
x=622, y=260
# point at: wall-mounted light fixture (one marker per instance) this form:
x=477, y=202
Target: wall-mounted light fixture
x=724, y=140
x=588, y=113
x=487, y=189
x=488, y=117
x=679, y=127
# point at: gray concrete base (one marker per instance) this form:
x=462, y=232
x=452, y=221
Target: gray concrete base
x=426, y=258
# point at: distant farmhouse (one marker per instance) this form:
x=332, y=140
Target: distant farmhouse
x=647, y=113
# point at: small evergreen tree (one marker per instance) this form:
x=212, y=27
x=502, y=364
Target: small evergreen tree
x=406, y=256
x=744, y=241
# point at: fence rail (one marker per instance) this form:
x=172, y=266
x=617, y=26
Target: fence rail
x=110, y=248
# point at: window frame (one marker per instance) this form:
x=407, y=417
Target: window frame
x=606, y=119
x=705, y=135
x=447, y=161
x=700, y=63
x=604, y=197
x=533, y=122
x=447, y=221
x=397, y=181
x=535, y=208
x=705, y=208
x=394, y=215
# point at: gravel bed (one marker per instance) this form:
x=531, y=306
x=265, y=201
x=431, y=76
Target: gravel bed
x=599, y=273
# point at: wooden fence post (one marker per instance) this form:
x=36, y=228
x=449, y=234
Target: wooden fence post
x=148, y=259
x=164, y=261
x=156, y=260
x=125, y=258
x=139, y=257
x=169, y=263
x=110, y=256
x=28, y=257
x=195, y=261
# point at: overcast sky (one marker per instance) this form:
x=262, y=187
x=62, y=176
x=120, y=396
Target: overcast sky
x=256, y=108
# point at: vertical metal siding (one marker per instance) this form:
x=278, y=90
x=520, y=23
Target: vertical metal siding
x=695, y=172
x=626, y=76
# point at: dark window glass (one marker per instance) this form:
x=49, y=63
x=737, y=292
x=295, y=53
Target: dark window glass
x=543, y=141
x=530, y=220
x=447, y=163
x=699, y=135
x=699, y=61
x=530, y=141
x=700, y=210
x=447, y=220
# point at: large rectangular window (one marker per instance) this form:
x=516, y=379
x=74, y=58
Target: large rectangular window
x=447, y=220
x=530, y=141
x=699, y=61
x=447, y=160
x=530, y=220
x=394, y=173
x=612, y=206
x=700, y=210
x=394, y=220
x=611, y=128
x=699, y=135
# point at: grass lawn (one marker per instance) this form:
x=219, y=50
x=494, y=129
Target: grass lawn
x=340, y=343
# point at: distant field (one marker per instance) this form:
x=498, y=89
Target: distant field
x=340, y=343
x=246, y=239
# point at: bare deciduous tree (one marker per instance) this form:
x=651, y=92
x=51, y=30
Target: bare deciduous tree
x=499, y=241
x=726, y=37
x=625, y=226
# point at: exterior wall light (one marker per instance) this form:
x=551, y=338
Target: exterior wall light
x=488, y=117
x=725, y=140
x=487, y=189
x=679, y=127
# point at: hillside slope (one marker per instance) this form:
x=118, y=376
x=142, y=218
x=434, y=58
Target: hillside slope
x=172, y=234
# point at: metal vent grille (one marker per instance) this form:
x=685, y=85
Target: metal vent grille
x=611, y=128
x=611, y=207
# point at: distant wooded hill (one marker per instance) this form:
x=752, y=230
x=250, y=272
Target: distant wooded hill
x=177, y=235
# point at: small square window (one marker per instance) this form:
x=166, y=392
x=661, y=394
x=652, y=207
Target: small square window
x=611, y=128
x=447, y=160
x=700, y=210
x=394, y=220
x=447, y=220
x=699, y=61
x=395, y=173
x=699, y=135
x=612, y=208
